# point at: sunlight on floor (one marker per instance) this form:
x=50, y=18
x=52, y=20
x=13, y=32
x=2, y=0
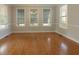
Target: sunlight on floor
x=3, y=48
x=63, y=48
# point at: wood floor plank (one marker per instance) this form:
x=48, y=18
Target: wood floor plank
x=37, y=44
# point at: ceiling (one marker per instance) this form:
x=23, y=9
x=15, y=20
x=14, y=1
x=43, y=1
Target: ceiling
x=48, y=5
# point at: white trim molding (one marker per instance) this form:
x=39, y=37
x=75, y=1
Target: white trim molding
x=73, y=39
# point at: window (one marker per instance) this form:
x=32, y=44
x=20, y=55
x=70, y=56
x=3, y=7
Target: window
x=46, y=17
x=3, y=17
x=33, y=17
x=63, y=21
x=20, y=17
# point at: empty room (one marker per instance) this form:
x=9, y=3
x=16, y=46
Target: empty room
x=39, y=29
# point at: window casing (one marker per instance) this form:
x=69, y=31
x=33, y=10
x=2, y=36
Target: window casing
x=63, y=21
x=3, y=17
x=46, y=16
x=20, y=17
x=34, y=16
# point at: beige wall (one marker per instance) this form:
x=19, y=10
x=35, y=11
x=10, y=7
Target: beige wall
x=73, y=23
x=29, y=28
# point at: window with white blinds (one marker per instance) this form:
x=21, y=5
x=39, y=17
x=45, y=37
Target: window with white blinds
x=46, y=17
x=63, y=21
x=20, y=17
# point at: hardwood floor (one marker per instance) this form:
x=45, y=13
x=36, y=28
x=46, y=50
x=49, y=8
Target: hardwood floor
x=37, y=44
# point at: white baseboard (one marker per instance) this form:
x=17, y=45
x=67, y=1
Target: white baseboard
x=4, y=36
x=73, y=39
x=31, y=31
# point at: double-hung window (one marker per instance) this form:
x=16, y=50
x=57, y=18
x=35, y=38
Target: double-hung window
x=3, y=17
x=34, y=17
x=20, y=17
x=63, y=21
x=46, y=16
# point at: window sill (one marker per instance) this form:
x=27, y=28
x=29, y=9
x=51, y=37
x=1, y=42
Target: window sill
x=33, y=24
x=63, y=27
x=46, y=24
x=21, y=25
x=3, y=26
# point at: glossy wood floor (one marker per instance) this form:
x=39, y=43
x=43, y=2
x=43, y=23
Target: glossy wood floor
x=37, y=44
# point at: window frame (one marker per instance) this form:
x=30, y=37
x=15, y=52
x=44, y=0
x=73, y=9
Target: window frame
x=20, y=25
x=4, y=14
x=36, y=24
x=60, y=18
x=49, y=21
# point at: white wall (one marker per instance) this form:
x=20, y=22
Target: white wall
x=73, y=23
x=7, y=30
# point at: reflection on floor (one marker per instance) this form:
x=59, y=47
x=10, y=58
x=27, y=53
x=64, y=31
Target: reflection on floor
x=37, y=43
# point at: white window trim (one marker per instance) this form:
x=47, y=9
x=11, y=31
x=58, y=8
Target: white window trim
x=4, y=13
x=61, y=26
x=49, y=21
x=36, y=24
x=20, y=25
